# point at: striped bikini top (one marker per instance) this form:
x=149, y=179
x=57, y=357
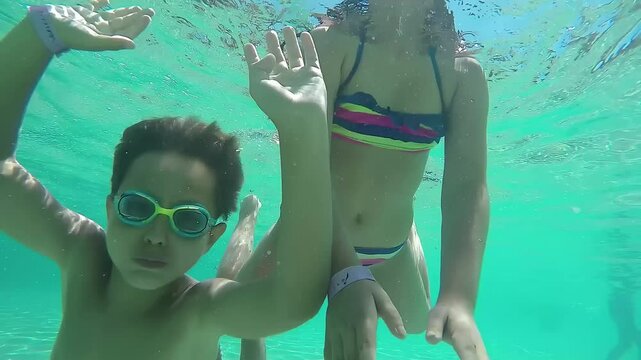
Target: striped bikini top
x=359, y=118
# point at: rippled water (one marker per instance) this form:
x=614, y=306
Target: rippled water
x=561, y=275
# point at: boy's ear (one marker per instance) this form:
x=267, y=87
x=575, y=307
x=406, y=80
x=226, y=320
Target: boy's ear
x=109, y=205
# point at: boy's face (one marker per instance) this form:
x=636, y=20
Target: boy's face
x=151, y=255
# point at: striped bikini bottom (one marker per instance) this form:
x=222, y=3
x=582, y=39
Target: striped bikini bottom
x=372, y=256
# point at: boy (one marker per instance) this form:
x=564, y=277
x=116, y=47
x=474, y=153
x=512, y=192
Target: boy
x=125, y=292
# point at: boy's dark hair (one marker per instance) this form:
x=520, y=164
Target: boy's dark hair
x=189, y=137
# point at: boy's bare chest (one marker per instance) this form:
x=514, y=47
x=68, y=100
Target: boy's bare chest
x=90, y=330
x=94, y=335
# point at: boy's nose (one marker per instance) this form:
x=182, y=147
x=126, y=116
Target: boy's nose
x=158, y=231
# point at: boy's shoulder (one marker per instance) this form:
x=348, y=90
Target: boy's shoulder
x=90, y=247
x=88, y=268
x=201, y=299
x=209, y=290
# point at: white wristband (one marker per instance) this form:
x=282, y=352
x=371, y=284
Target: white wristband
x=41, y=20
x=346, y=277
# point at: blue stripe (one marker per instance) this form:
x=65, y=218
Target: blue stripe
x=378, y=251
x=434, y=121
x=384, y=132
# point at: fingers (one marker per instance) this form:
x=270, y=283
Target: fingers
x=251, y=55
x=349, y=343
x=112, y=14
x=97, y=5
x=311, y=56
x=266, y=65
x=366, y=332
x=366, y=341
x=469, y=345
x=85, y=12
x=101, y=4
x=466, y=348
x=294, y=56
x=131, y=25
x=105, y=43
x=435, y=325
x=254, y=62
x=390, y=315
x=126, y=19
x=259, y=69
x=273, y=46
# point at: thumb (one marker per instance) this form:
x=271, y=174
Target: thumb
x=90, y=40
x=265, y=66
x=435, y=325
x=258, y=69
x=388, y=312
x=115, y=42
x=97, y=42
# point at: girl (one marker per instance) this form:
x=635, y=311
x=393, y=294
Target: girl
x=399, y=82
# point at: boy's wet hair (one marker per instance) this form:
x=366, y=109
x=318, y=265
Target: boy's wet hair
x=189, y=137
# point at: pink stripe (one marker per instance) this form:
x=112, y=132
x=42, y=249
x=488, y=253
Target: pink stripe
x=381, y=120
x=368, y=262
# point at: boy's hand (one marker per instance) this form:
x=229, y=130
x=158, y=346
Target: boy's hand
x=82, y=28
x=291, y=92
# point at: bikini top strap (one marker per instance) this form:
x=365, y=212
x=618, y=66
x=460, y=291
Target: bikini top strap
x=359, y=57
x=437, y=75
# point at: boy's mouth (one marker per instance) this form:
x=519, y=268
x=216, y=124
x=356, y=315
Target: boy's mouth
x=150, y=262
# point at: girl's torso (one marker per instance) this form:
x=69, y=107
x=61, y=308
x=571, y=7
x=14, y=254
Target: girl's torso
x=387, y=117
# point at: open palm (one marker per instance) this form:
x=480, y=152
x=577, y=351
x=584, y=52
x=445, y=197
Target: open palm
x=82, y=28
x=287, y=90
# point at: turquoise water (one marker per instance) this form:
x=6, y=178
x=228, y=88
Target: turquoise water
x=564, y=251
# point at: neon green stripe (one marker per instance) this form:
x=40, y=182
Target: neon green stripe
x=163, y=211
x=381, y=142
x=359, y=109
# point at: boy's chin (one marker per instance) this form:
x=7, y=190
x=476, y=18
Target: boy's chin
x=148, y=281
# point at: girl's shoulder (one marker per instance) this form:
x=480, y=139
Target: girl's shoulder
x=333, y=41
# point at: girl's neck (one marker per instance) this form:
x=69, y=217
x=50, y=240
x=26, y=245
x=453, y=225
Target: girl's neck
x=397, y=25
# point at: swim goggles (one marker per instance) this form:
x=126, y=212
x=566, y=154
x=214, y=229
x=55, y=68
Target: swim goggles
x=139, y=209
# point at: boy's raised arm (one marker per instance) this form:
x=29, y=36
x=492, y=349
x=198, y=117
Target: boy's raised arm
x=292, y=93
x=30, y=214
